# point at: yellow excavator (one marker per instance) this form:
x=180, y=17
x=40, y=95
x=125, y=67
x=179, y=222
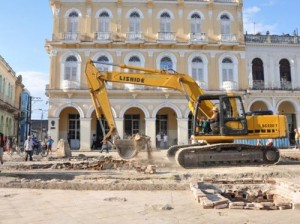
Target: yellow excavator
x=216, y=145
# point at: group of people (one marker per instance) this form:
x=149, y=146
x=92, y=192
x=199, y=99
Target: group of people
x=29, y=145
x=162, y=140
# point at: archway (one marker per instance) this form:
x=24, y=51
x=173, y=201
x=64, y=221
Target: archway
x=166, y=127
x=134, y=122
x=259, y=105
x=69, y=126
x=287, y=108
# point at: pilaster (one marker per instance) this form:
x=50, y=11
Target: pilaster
x=53, y=124
x=182, y=130
x=150, y=130
x=85, y=134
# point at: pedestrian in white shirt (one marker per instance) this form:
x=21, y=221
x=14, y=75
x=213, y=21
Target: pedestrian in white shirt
x=28, y=147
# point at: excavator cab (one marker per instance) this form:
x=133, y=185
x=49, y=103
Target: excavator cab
x=231, y=116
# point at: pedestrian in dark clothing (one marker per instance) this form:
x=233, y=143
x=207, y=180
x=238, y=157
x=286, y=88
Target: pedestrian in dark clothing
x=94, y=142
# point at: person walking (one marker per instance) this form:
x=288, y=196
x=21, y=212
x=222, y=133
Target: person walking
x=28, y=146
x=158, y=139
x=1, y=147
x=94, y=142
x=49, y=144
x=297, y=138
x=104, y=145
x=165, y=138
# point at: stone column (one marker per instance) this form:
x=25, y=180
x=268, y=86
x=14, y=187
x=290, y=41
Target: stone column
x=182, y=131
x=53, y=130
x=120, y=127
x=150, y=131
x=85, y=134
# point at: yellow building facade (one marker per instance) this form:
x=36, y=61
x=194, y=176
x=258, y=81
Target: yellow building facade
x=11, y=88
x=203, y=39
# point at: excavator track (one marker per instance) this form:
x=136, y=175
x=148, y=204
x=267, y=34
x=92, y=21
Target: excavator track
x=227, y=154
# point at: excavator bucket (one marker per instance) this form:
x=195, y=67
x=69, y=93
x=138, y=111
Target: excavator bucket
x=129, y=148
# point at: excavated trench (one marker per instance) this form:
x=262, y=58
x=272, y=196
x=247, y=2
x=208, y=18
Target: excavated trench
x=248, y=193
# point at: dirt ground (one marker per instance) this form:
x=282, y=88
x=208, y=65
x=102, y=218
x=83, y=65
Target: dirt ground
x=84, y=173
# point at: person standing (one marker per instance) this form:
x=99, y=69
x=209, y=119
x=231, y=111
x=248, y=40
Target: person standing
x=165, y=138
x=94, y=142
x=104, y=145
x=49, y=144
x=297, y=138
x=158, y=139
x=28, y=147
x=1, y=147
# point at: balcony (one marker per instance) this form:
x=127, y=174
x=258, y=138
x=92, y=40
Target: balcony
x=228, y=38
x=134, y=37
x=69, y=36
x=272, y=85
x=103, y=36
x=202, y=85
x=229, y=85
x=274, y=39
x=67, y=84
x=166, y=37
x=198, y=38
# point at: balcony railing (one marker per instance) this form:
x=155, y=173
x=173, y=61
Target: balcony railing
x=229, y=85
x=273, y=85
x=132, y=87
x=198, y=38
x=227, y=1
x=134, y=36
x=70, y=36
x=228, y=38
x=274, y=39
x=103, y=36
x=67, y=84
x=166, y=36
x=202, y=85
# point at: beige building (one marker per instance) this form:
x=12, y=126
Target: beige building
x=11, y=88
x=203, y=39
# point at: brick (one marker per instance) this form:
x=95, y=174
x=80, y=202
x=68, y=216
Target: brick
x=222, y=206
x=237, y=203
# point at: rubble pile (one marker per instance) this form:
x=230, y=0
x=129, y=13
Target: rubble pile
x=247, y=193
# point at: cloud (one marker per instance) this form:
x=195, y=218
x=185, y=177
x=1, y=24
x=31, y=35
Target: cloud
x=35, y=82
x=252, y=25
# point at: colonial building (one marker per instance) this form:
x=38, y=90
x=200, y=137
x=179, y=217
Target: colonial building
x=203, y=39
x=11, y=88
x=273, y=70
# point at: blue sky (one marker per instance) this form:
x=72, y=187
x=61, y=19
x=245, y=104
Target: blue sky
x=26, y=24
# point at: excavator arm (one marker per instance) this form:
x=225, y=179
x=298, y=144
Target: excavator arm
x=143, y=76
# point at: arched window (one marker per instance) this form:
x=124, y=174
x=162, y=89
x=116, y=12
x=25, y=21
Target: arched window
x=73, y=22
x=285, y=73
x=71, y=69
x=166, y=63
x=227, y=70
x=134, y=61
x=258, y=73
x=195, y=23
x=165, y=23
x=134, y=22
x=257, y=69
x=197, y=69
x=104, y=22
x=225, y=25
x=103, y=67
